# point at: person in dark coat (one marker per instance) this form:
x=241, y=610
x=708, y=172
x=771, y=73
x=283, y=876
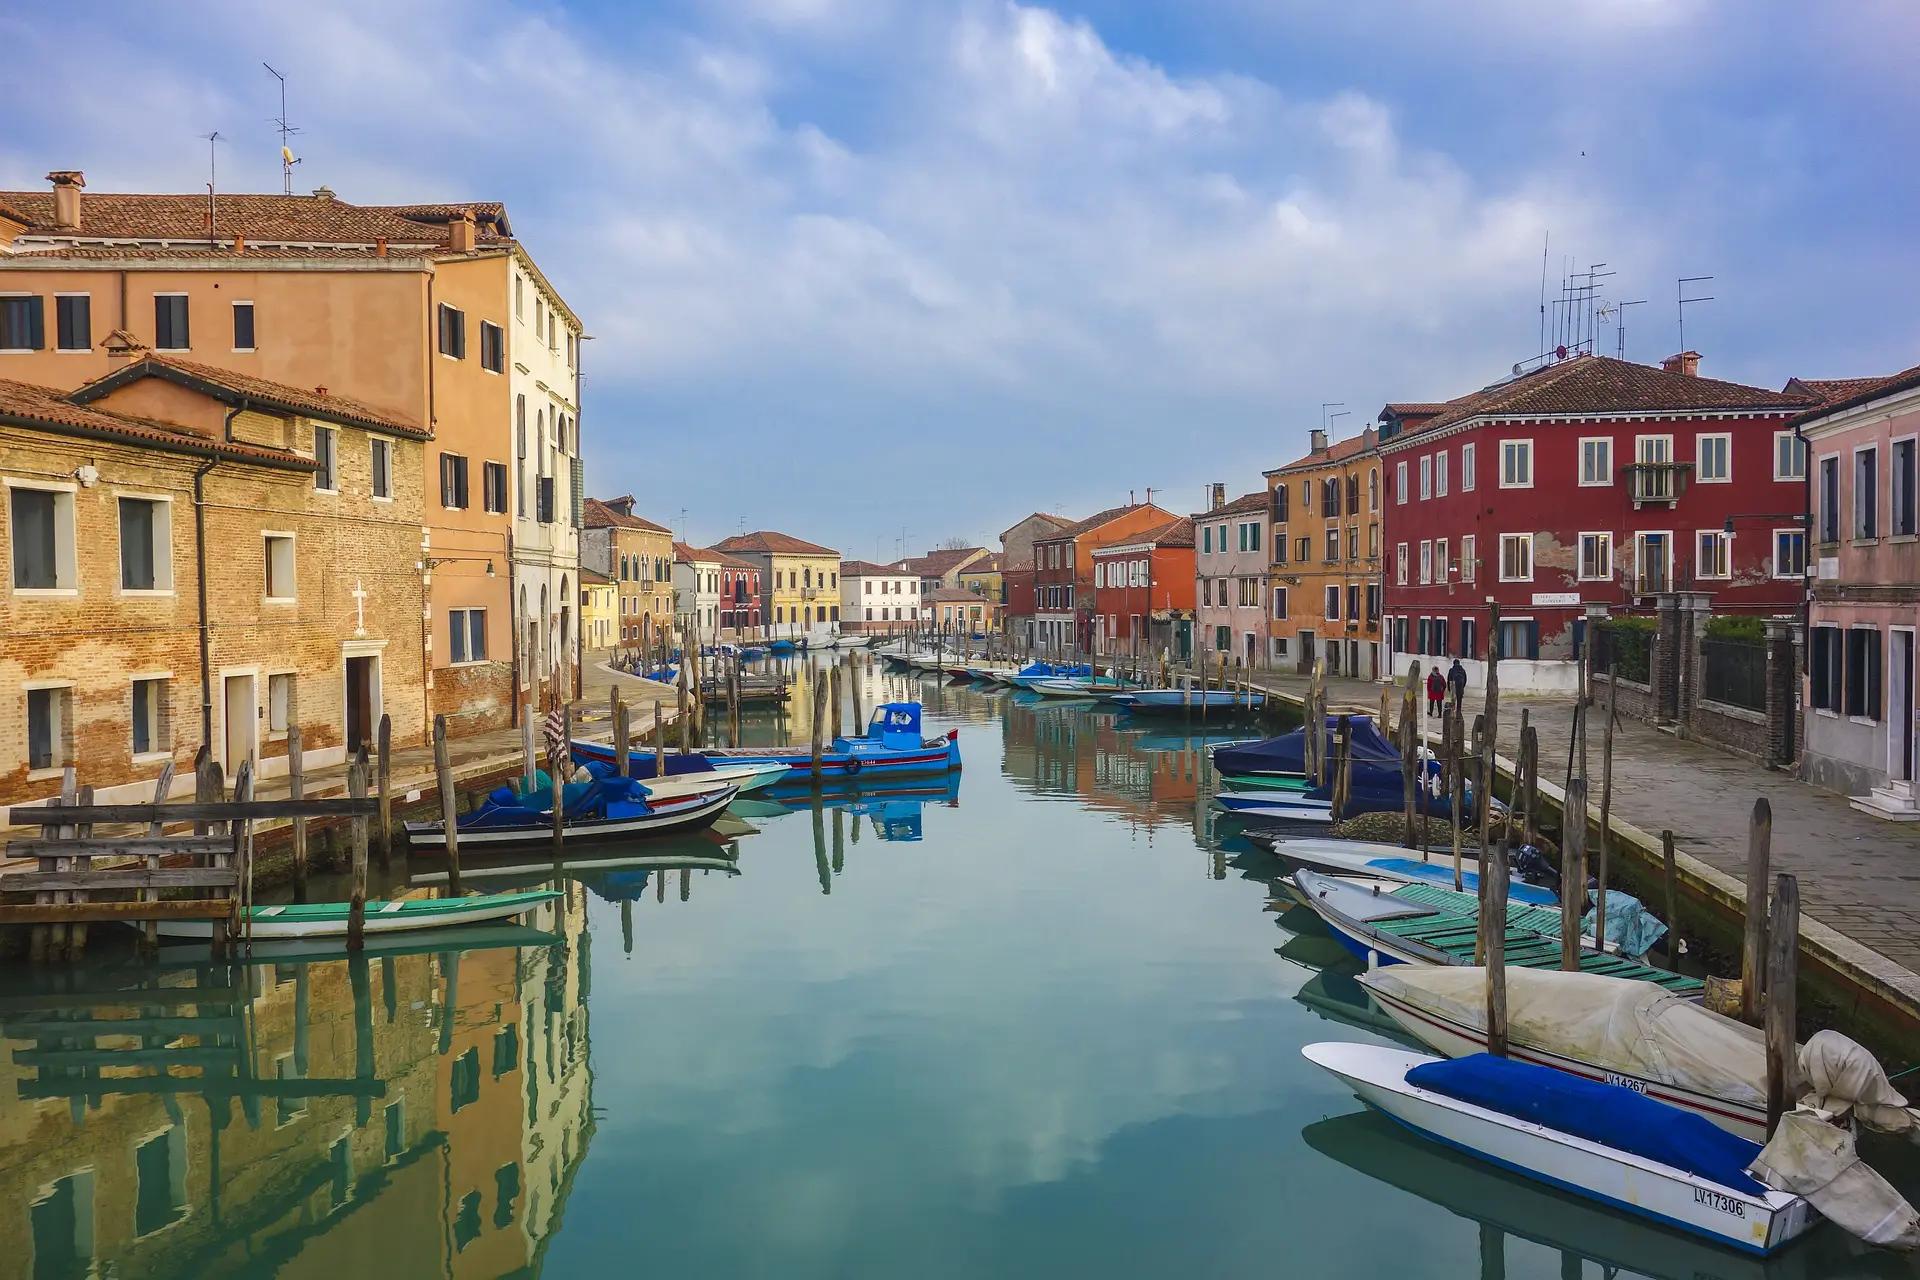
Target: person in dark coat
x=1436, y=691
x=1457, y=681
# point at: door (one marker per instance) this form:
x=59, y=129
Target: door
x=1308, y=651
x=243, y=718
x=1900, y=707
x=361, y=677
x=1652, y=567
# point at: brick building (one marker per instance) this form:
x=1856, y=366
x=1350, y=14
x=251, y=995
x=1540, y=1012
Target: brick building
x=1063, y=573
x=1588, y=481
x=201, y=557
x=1017, y=571
x=1326, y=555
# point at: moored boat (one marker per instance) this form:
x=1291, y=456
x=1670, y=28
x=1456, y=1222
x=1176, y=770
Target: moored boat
x=1391, y=862
x=1189, y=700
x=590, y=811
x=330, y=919
x=892, y=746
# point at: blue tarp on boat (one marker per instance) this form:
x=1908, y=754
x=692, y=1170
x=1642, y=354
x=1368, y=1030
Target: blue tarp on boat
x=1608, y=1114
x=1376, y=762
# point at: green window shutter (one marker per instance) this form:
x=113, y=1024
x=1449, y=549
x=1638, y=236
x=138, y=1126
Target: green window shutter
x=578, y=486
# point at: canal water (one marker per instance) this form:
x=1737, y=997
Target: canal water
x=1038, y=1020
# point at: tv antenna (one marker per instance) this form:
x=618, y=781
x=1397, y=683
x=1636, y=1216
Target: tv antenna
x=287, y=160
x=1617, y=312
x=213, y=180
x=1680, y=292
x=1326, y=419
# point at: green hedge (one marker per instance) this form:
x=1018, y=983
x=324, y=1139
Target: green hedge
x=1630, y=647
x=1745, y=628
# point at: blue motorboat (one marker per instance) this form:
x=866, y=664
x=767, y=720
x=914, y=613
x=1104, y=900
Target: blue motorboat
x=604, y=807
x=892, y=746
x=1188, y=700
x=1376, y=761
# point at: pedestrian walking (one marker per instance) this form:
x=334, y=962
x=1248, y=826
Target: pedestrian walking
x=1457, y=681
x=1436, y=691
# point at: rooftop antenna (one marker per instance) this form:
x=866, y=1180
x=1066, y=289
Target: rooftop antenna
x=1544, y=244
x=1680, y=292
x=287, y=160
x=1326, y=420
x=213, y=181
x=1619, y=313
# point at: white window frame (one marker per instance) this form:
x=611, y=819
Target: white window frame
x=235, y=305
x=1332, y=603
x=1604, y=539
x=1400, y=564
x=1441, y=568
x=1799, y=449
x=163, y=729
x=1400, y=483
x=1640, y=537
x=1426, y=562
x=1469, y=563
x=66, y=560
x=65, y=740
x=1606, y=462
x=1426, y=476
x=162, y=546
x=56, y=348
x=1725, y=541
x=267, y=538
x=1440, y=474
x=1700, y=442
x=1854, y=513
x=1515, y=538
x=1800, y=533
x=376, y=445
x=1665, y=450
x=1467, y=476
x=288, y=711
x=1524, y=449
x=467, y=630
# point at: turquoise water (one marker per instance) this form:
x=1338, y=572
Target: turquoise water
x=1041, y=1023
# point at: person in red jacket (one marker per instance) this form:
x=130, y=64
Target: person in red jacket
x=1436, y=691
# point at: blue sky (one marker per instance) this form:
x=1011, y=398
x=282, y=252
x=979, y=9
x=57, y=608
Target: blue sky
x=855, y=267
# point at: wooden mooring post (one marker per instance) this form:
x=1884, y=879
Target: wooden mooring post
x=1409, y=752
x=296, y=790
x=357, y=903
x=819, y=722
x=622, y=738
x=1670, y=881
x=1753, y=950
x=1573, y=882
x=834, y=693
x=561, y=768
x=449, y=802
x=1783, y=948
x=383, y=787
x=1493, y=942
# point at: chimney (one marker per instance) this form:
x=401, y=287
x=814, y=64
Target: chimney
x=323, y=193
x=1687, y=364
x=380, y=246
x=460, y=231
x=1219, y=498
x=239, y=243
x=1319, y=437
x=66, y=197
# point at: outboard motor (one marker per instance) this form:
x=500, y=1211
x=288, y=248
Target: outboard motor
x=1535, y=868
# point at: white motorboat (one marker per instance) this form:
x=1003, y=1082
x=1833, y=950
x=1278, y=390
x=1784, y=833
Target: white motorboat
x=1749, y=1217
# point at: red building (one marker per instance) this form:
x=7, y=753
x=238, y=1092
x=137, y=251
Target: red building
x=1592, y=480
x=1143, y=591
x=1063, y=573
x=739, y=594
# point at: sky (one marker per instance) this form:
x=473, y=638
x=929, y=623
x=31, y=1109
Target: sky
x=882, y=273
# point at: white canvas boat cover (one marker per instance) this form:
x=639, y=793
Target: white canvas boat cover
x=1643, y=1030
x=1817, y=1161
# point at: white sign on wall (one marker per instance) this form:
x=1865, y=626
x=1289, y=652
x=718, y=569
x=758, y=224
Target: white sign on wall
x=1545, y=599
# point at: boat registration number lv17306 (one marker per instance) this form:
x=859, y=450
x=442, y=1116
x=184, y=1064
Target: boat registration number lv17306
x=1724, y=1203
x=1627, y=1082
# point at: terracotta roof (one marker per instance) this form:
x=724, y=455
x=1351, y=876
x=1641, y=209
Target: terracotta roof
x=1245, y=504
x=1094, y=521
x=868, y=569
x=598, y=514
x=1415, y=408
x=240, y=388
x=1174, y=533
x=726, y=561
x=990, y=565
x=24, y=404
x=1589, y=385
x=271, y=218
x=224, y=252
x=593, y=577
x=682, y=553
x=767, y=542
x=1338, y=451
x=1837, y=394
x=955, y=595
x=1058, y=522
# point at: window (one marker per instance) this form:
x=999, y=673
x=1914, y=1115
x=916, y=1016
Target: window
x=1863, y=673
x=1426, y=477
x=493, y=486
x=1206, y=540
x=1373, y=489
x=1904, y=520
x=1866, y=493
x=281, y=584
x=1333, y=604
x=1789, y=456
x=1469, y=638
x=1830, y=499
x=453, y=332
x=146, y=545
x=150, y=716
x=42, y=538
x=1440, y=474
x=1400, y=483
x=326, y=442
x=519, y=297
x=1280, y=603
x=382, y=468
x=73, y=320
x=1440, y=560
x=1715, y=555
x=506, y=1190
x=1426, y=562
x=463, y=1090
x=1468, y=563
x=1353, y=602
x=1596, y=461
x=1373, y=542
x=243, y=326
x=1279, y=545
x=1516, y=557
x=1253, y=536
x=170, y=322
x=1789, y=553
x=49, y=728
x=493, y=347
x=1466, y=468
x=453, y=481
x=1353, y=542
x=466, y=635
x=520, y=433
x=22, y=324
x=1400, y=565
x=280, y=704
x=1713, y=459
x=160, y=1192
x=1303, y=550
x=1827, y=663
x=1596, y=557
x=393, y=1119
x=1516, y=464
x=1333, y=545
x=1520, y=638
x=1330, y=496
x=1373, y=601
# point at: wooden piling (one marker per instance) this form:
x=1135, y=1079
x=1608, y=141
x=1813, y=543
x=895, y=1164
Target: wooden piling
x=150, y=930
x=1783, y=947
x=529, y=762
x=1573, y=882
x=449, y=802
x=819, y=723
x=383, y=783
x=680, y=702
x=357, y=904
x=562, y=769
x=1457, y=786
x=1493, y=941
x=1342, y=775
x=1753, y=950
x=1670, y=881
x=1409, y=744
x=859, y=715
x=834, y=695
x=296, y=790
x=622, y=740
x=659, y=743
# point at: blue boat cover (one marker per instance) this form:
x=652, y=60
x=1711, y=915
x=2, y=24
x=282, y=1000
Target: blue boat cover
x=1609, y=1114
x=1376, y=762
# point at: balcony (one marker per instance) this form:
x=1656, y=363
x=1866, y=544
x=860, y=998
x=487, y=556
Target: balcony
x=1658, y=482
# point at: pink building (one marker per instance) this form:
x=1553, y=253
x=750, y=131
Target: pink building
x=1864, y=572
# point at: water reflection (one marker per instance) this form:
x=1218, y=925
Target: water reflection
x=407, y=1112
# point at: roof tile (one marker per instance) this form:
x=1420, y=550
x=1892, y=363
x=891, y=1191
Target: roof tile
x=767, y=542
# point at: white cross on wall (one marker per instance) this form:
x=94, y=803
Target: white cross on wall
x=359, y=594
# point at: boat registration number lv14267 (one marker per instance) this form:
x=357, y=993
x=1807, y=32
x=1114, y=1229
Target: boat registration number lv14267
x=1627, y=1082
x=1724, y=1203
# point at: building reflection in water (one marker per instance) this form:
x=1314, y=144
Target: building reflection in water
x=411, y=1112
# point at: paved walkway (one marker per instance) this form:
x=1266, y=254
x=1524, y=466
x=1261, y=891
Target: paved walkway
x=1858, y=874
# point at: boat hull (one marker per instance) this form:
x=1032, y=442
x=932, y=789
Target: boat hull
x=858, y=761
x=689, y=814
x=380, y=917
x=1752, y=1224
x=1176, y=701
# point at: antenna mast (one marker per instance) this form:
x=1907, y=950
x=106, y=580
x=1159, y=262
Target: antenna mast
x=287, y=160
x=213, y=183
x=1680, y=292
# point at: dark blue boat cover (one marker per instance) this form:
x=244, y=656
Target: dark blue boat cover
x=1609, y=1114
x=1288, y=754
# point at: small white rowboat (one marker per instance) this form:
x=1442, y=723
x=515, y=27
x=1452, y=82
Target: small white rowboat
x=329, y=919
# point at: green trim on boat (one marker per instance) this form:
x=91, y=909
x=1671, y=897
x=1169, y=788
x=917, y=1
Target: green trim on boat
x=1265, y=784
x=412, y=908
